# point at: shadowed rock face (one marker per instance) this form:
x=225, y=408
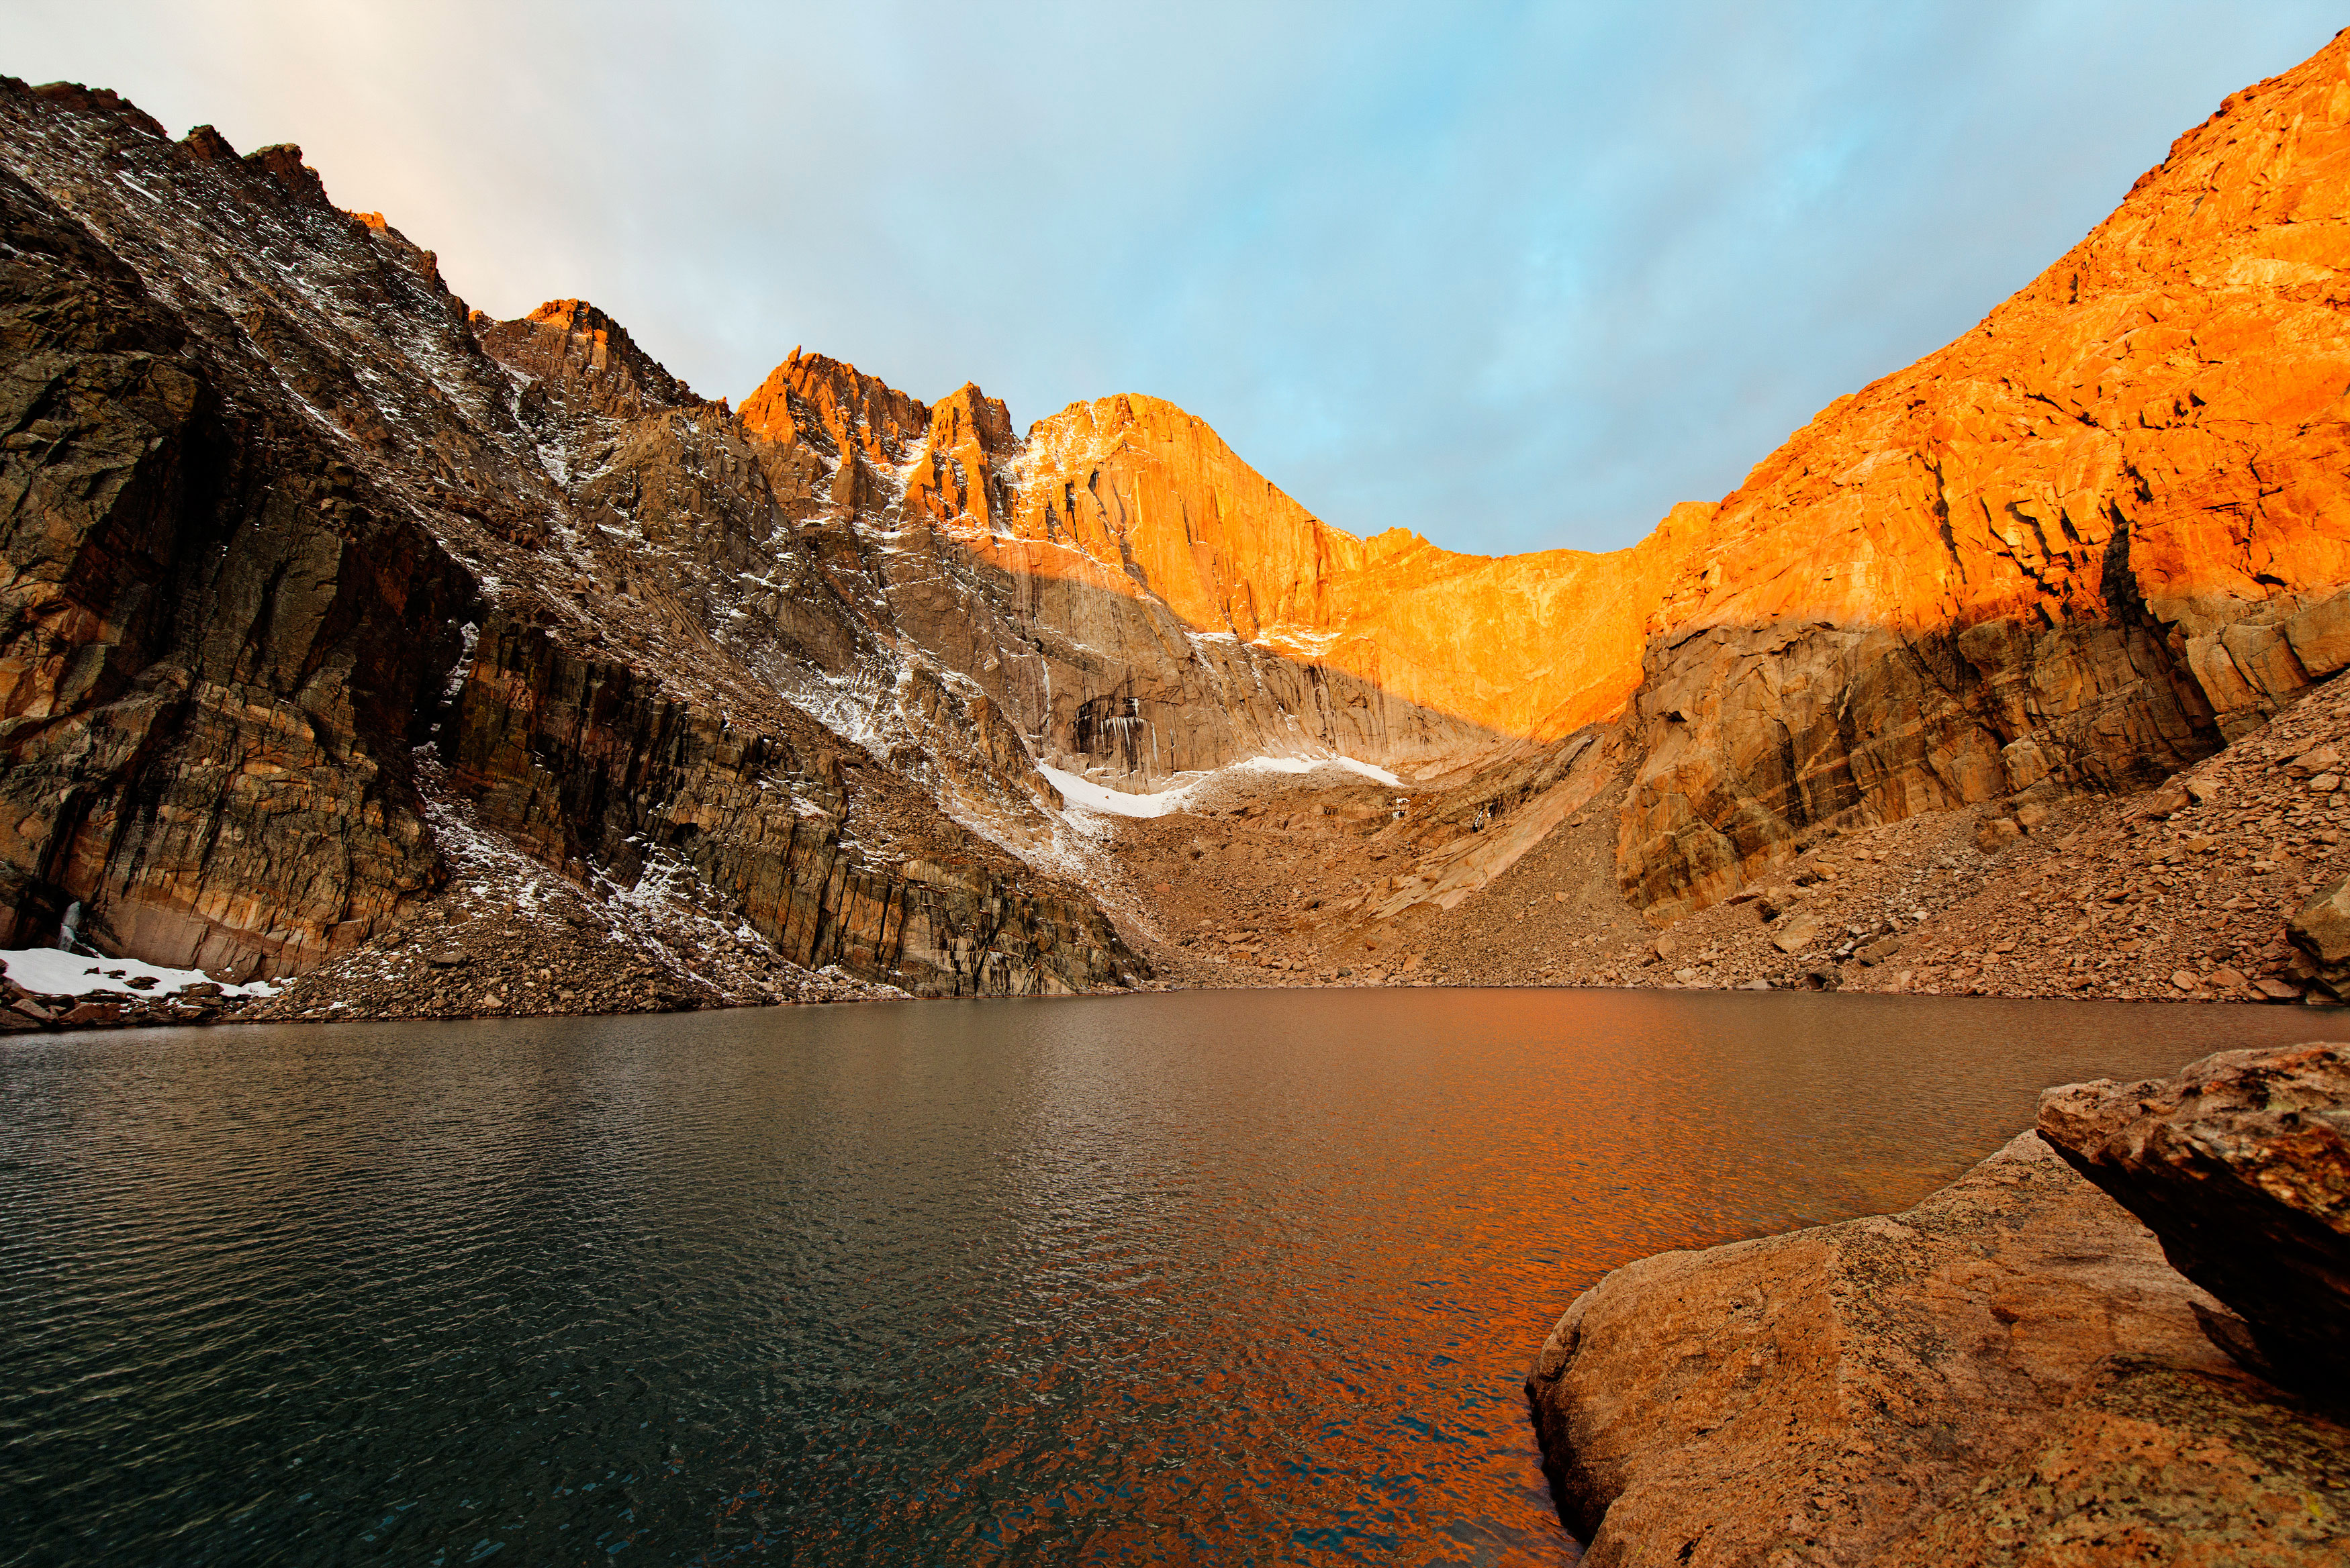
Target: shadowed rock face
x=281, y=560
x=2241, y=1165
x=215, y=637
x=2008, y=1372
x=588, y=765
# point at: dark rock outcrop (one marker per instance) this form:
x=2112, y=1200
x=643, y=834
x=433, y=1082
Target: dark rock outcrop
x=2241, y=1165
x=588, y=765
x=2009, y=1372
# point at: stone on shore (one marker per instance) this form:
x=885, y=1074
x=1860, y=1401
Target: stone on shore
x=2240, y=1165
x=2009, y=1372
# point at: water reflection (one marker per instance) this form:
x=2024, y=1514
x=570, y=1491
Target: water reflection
x=1156, y=1280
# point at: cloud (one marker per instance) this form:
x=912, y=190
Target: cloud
x=1513, y=275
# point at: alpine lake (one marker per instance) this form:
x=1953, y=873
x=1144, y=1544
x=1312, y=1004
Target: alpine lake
x=1210, y=1277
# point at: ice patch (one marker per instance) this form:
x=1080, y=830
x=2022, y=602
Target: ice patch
x=1087, y=796
x=48, y=971
x=1084, y=795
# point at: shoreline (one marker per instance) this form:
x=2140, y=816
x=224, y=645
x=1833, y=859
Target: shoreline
x=114, y=1010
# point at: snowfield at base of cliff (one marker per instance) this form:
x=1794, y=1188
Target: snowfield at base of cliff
x=48, y=971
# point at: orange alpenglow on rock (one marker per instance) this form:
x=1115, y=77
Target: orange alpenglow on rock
x=2088, y=541
x=1133, y=497
x=1520, y=645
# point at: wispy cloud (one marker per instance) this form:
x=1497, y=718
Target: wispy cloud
x=1513, y=276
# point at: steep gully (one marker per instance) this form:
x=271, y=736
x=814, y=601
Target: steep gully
x=308, y=563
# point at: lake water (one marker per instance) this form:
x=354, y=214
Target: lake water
x=1212, y=1277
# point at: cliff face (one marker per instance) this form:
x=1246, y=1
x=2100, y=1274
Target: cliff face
x=215, y=633
x=294, y=542
x=2086, y=542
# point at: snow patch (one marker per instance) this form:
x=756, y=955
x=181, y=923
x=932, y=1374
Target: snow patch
x=49, y=972
x=1084, y=795
x=1371, y=771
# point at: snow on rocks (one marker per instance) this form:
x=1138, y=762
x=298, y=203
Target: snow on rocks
x=1086, y=794
x=49, y=988
x=54, y=972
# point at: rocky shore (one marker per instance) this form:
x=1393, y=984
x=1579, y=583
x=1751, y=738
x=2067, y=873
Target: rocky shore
x=2115, y=1341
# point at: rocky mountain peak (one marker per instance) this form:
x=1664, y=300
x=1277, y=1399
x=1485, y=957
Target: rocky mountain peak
x=207, y=145
x=284, y=165
x=93, y=101
x=963, y=476
x=968, y=415
x=581, y=354
x=856, y=411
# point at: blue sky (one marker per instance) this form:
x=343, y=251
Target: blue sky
x=1513, y=275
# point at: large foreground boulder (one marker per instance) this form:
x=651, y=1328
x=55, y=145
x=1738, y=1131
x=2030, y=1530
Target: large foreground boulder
x=2007, y=1373
x=2241, y=1165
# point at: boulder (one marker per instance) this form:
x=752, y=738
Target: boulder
x=2241, y=1165
x=2316, y=760
x=1996, y=834
x=2008, y=1372
x=2321, y=930
x=1798, y=930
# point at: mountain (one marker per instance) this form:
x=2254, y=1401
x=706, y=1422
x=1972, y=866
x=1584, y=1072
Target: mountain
x=335, y=607
x=2085, y=543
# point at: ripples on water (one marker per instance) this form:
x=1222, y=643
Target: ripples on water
x=1168, y=1278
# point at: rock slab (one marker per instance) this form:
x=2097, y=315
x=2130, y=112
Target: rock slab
x=2009, y=1372
x=2241, y=1165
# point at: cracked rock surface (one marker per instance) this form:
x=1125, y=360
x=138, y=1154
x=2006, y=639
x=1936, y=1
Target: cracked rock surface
x=2008, y=1372
x=2240, y=1165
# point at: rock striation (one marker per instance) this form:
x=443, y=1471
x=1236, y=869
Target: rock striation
x=2008, y=1372
x=2240, y=1165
